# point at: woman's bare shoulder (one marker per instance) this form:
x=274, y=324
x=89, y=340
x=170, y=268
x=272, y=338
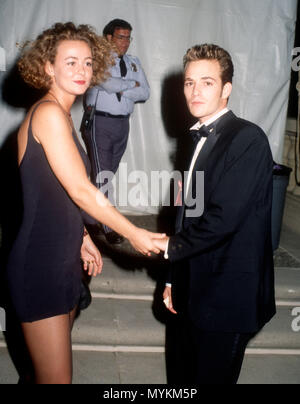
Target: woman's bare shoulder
x=46, y=108
x=49, y=117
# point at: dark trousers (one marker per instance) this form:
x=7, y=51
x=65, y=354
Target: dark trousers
x=106, y=144
x=200, y=357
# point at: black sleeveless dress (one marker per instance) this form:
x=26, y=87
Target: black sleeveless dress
x=44, y=268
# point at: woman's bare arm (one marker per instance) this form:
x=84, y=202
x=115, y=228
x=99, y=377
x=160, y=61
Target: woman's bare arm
x=52, y=130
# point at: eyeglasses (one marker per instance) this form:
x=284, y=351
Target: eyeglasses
x=123, y=38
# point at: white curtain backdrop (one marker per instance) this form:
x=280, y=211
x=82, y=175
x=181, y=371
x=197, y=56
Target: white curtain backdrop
x=259, y=34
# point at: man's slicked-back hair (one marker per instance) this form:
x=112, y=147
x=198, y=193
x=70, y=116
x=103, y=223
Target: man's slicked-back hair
x=211, y=52
x=110, y=28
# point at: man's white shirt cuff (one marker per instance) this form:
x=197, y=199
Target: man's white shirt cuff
x=166, y=256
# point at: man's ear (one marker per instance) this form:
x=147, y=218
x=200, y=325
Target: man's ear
x=109, y=37
x=227, y=88
x=49, y=69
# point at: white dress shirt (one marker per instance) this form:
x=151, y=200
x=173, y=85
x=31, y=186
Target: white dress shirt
x=201, y=142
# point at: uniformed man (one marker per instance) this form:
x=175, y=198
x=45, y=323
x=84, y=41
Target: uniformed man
x=115, y=99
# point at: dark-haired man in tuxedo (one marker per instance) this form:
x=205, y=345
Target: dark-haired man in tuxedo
x=222, y=277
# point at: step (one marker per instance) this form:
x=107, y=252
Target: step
x=123, y=303
x=289, y=240
x=8, y=373
x=278, y=333
x=102, y=368
x=139, y=319
x=284, y=258
x=119, y=368
x=119, y=322
x=125, y=279
x=130, y=277
x=270, y=369
x=287, y=283
x=115, y=322
x=118, y=325
x=291, y=217
x=141, y=368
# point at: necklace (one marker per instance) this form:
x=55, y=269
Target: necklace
x=67, y=113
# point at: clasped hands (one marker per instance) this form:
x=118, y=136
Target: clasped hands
x=146, y=242
x=142, y=240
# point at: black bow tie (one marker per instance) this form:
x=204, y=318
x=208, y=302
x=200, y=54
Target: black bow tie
x=204, y=131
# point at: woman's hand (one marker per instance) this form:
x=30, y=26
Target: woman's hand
x=91, y=257
x=144, y=241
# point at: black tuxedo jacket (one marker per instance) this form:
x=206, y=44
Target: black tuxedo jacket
x=222, y=262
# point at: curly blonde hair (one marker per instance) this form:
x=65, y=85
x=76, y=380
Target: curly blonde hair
x=35, y=54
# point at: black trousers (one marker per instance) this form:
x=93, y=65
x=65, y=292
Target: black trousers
x=199, y=357
x=106, y=144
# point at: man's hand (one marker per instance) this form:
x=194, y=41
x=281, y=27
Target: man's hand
x=167, y=295
x=144, y=241
x=161, y=243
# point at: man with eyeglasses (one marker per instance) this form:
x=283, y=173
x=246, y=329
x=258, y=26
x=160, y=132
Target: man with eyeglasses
x=114, y=101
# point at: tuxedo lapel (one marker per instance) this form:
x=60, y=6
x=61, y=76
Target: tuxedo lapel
x=220, y=127
x=215, y=129
x=200, y=164
x=181, y=208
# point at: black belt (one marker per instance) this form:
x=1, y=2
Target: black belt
x=101, y=113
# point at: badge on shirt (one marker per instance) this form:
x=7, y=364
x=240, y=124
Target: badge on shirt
x=133, y=67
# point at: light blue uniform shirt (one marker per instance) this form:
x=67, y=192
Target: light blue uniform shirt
x=107, y=100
